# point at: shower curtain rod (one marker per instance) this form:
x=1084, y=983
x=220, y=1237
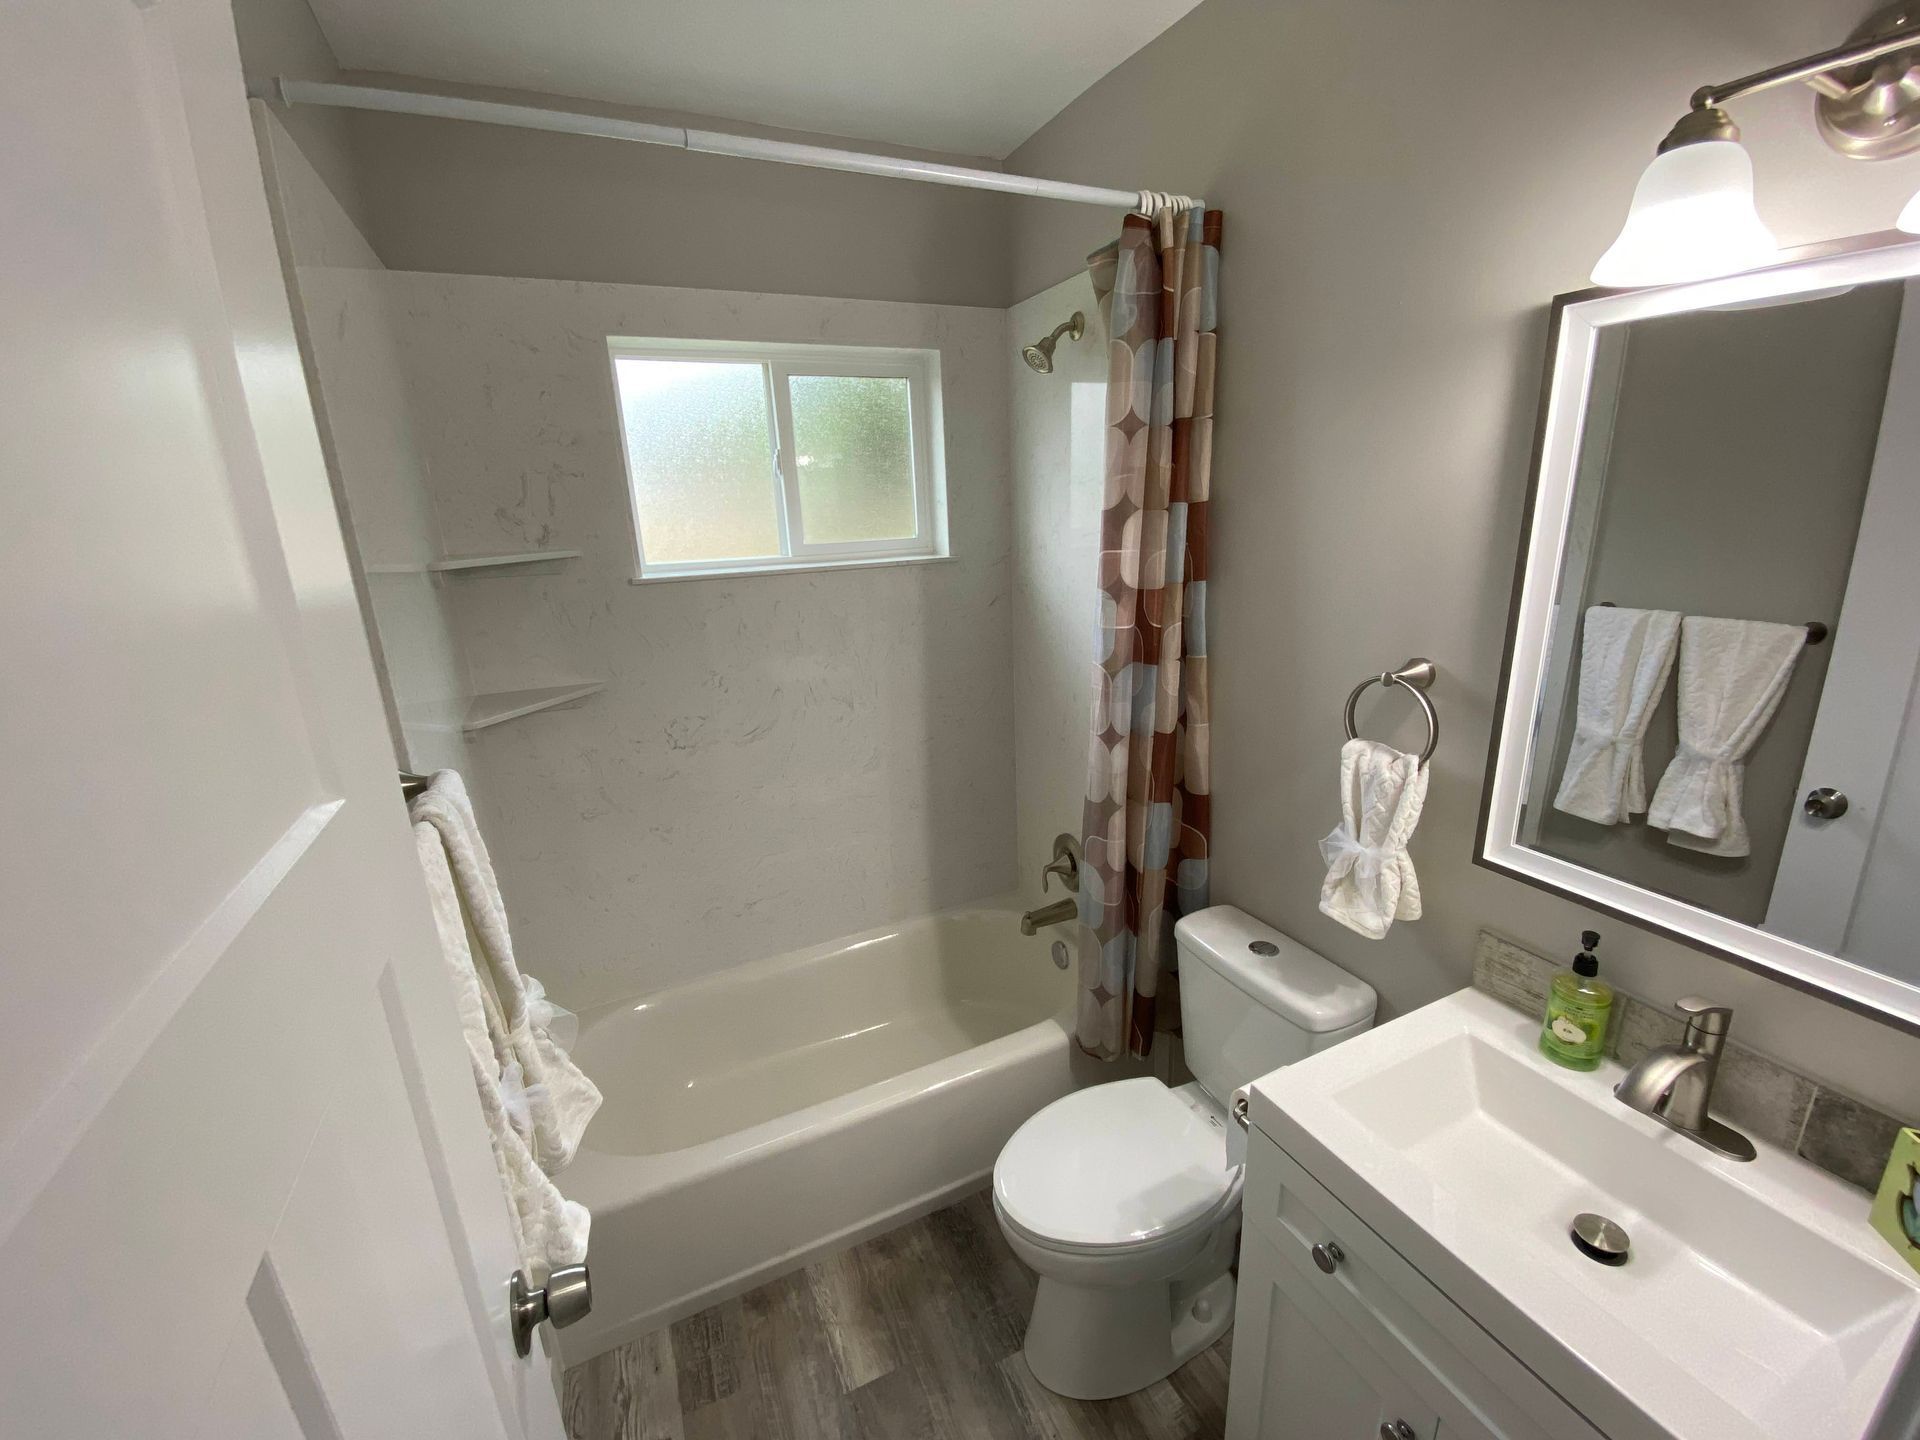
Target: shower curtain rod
x=714, y=142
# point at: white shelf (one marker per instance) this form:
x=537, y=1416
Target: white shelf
x=460, y=564
x=503, y=705
x=479, y=712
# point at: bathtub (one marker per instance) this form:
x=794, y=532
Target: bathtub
x=790, y=1106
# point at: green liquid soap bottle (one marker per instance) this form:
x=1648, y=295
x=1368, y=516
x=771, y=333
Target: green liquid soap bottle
x=1578, y=1008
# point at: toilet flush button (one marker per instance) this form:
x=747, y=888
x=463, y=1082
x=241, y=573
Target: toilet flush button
x=1265, y=949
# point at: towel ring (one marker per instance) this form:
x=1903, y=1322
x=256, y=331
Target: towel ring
x=1416, y=675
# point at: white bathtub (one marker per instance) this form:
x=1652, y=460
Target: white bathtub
x=793, y=1105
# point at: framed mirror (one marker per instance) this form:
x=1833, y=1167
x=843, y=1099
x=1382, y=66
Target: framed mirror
x=1708, y=721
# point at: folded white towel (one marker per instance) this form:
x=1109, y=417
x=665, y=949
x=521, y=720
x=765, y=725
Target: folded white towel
x=1625, y=658
x=553, y=1099
x=1733, y=674
x=1370, y=881
x=549, y=1230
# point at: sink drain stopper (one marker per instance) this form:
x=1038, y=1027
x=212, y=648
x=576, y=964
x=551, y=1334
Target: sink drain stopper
x=1598, y=1238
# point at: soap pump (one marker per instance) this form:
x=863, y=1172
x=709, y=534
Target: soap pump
x=1579, y=1004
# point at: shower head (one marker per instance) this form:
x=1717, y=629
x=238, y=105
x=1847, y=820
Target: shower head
x=1040, y=357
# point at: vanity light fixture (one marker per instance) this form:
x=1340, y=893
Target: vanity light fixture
x=1909, y=220
x=1693, y=216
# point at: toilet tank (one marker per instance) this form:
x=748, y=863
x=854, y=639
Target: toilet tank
x=1252, y=1000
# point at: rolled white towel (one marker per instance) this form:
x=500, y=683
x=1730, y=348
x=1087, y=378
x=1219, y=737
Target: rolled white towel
x=1625, y=658
x=1370, y=881
x=1733, y=675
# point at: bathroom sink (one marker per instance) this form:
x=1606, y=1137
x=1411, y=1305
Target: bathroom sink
x=1755, y=1302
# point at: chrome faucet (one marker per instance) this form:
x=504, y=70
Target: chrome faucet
x=1674, y=1083
x=1065, y=864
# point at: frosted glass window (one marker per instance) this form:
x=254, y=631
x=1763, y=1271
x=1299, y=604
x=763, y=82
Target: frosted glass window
x=700, y=456
x=853, y=450
x=744, y=457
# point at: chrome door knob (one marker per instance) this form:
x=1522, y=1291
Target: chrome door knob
x=1328, y=1256
x=568, y=1297
x=1825, y=804
x=1396, y=1430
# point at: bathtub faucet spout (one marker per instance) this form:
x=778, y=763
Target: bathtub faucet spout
x=1057, y=913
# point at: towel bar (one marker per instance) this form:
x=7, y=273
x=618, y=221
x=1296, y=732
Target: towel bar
x=1816, y=629
x=1416, y=675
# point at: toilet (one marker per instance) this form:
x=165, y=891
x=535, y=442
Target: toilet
x=1119, y=1197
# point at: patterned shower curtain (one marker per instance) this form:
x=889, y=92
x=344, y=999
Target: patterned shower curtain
x=1148, y=773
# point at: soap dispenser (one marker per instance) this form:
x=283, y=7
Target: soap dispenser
x=1579, y=1005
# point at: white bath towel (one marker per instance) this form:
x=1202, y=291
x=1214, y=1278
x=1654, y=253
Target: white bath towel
x=1625, y=658
x=1733, y=674
x=1370, y=881
x=549, y=1230
x=552, y=1100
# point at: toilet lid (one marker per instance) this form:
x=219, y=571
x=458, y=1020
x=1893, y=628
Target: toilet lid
x=1116, y=1164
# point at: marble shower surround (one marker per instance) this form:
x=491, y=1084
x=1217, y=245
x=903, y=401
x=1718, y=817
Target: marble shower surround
x=372, y=455
x=1059, y=456
x=777, y=759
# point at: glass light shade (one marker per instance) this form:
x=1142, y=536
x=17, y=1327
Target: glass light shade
x=1692, y=218
x=1909, y=220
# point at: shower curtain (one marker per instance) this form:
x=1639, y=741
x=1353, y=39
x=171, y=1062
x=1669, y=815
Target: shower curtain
x=1148, y=792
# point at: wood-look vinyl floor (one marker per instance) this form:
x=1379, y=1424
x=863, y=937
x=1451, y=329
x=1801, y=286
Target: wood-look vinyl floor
x=912, y=1335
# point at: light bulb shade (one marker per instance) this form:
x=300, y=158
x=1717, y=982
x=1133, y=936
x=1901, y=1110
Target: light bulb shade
x=1909, y=220
x=1692, y=218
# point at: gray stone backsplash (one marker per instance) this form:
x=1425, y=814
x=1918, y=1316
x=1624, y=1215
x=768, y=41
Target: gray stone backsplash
x=1770, y=1101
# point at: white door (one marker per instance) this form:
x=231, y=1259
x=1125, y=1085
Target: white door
x=244, y=1186
x=1845, y=885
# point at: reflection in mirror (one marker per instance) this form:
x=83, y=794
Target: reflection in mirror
x=1723, y=683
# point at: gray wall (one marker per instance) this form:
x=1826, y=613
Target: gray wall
x=281, y=37
x=461, y=198
x=455, y=197
x=1397, y=218
x=1742, y=443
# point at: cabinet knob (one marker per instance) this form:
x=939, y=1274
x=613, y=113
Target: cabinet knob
x=1328, y=1255
x=1396, y=1430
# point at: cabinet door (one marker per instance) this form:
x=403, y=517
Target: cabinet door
x=1299, y=1371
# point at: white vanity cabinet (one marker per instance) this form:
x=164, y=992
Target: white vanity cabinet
x=1337, y=1337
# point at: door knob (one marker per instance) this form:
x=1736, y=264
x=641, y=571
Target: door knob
x=1825, y=804
x=1328, y=1256
x=567, y=1297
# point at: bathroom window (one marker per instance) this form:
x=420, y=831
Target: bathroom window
x=744, y=458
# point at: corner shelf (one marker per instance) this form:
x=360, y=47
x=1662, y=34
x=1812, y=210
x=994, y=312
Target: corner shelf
x=469, y=713
x=465, y=564
x=500, y=706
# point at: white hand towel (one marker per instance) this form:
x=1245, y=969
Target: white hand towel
x=555, y=1099
x=1625, y=658
x=549, y=1230
x=1370, y=881
x=1733, y=674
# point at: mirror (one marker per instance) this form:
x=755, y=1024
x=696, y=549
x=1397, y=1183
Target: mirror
x=1709, y=722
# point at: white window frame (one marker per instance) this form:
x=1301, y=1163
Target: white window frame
x=779, y=363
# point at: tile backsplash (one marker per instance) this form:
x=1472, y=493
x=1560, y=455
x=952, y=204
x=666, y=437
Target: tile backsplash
x=1755, y=1092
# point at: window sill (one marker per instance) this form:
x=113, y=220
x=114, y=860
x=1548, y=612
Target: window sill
x=806, y=568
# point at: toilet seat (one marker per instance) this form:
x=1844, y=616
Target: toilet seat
x=1125, y=1166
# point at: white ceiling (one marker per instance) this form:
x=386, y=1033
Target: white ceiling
x=975, y=77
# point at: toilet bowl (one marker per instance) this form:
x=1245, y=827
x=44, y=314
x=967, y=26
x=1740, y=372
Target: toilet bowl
x=1120, y=1200
x=1120, y=1197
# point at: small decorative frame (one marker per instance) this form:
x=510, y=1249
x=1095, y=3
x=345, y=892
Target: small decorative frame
x=1896, y=1208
